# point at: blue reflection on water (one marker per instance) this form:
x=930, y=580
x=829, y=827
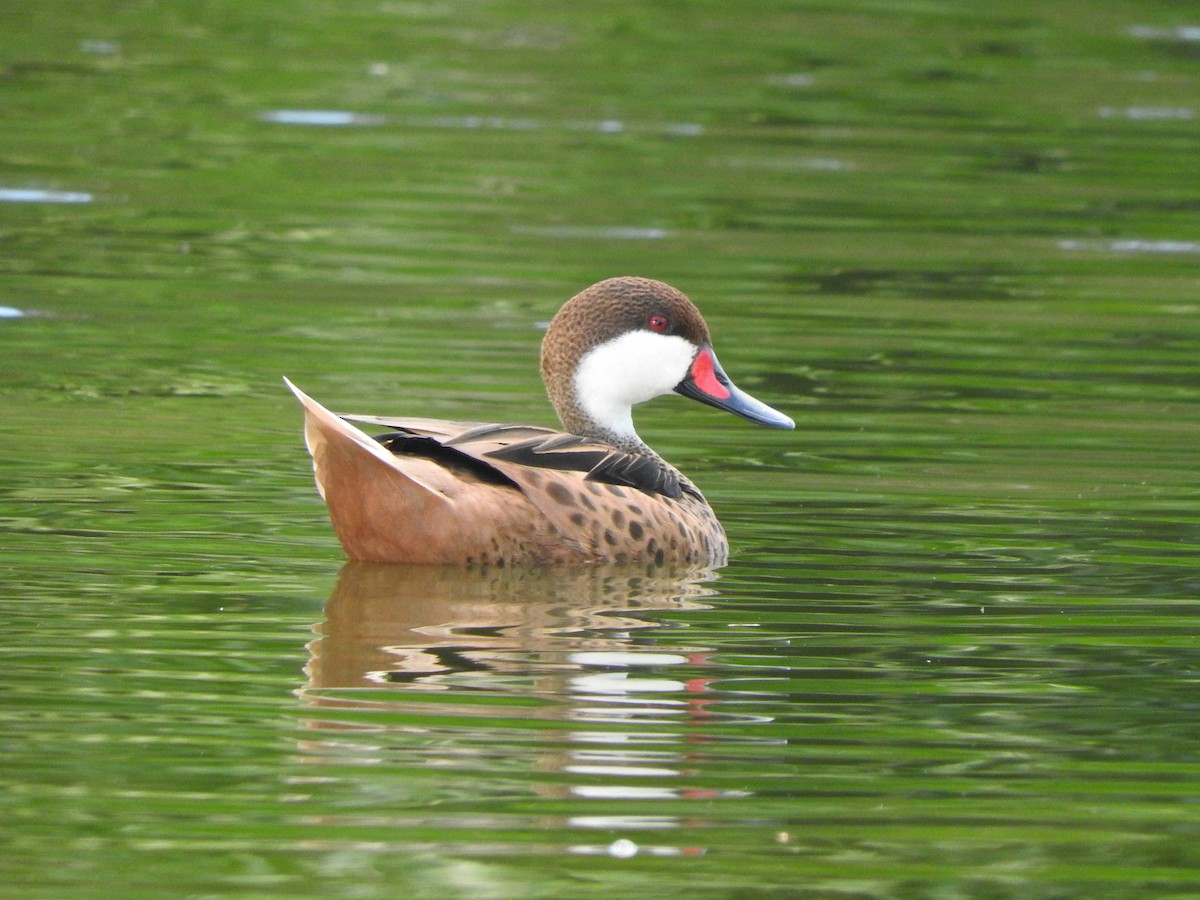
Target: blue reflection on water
x=324, y=118
x=39, y=195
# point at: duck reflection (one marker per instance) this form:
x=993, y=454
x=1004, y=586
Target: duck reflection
x=431, y=627
x=570, y=649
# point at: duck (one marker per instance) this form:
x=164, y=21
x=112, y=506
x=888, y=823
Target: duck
x=479, y=494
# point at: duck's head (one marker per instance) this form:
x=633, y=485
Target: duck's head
x=627, y=340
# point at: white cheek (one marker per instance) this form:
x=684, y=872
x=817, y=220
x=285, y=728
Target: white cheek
x=632, y=368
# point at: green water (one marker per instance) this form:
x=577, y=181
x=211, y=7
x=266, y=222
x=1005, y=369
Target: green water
x=956, y=651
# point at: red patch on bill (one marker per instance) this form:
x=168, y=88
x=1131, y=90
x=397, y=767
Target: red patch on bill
x=704, y=374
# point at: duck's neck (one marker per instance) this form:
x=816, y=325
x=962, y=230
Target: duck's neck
x=613, y=425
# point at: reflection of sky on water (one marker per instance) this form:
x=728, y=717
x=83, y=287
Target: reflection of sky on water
x=325, y=118
x=42, y=195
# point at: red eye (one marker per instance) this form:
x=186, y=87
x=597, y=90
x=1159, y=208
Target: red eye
x=658, y=323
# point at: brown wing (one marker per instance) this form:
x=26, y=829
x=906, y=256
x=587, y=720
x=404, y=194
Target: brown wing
x=526, y=445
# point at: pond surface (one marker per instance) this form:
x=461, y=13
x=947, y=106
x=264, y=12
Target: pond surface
x=957, y=650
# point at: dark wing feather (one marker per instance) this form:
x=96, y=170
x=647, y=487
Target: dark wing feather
x=404, y=444
x=642, y=472
x=599, y=462
x=575, y=455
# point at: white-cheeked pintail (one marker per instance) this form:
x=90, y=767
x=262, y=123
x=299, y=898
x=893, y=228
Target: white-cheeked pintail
x=430, y=491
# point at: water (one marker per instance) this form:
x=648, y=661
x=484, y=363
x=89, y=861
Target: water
x=955, y=653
